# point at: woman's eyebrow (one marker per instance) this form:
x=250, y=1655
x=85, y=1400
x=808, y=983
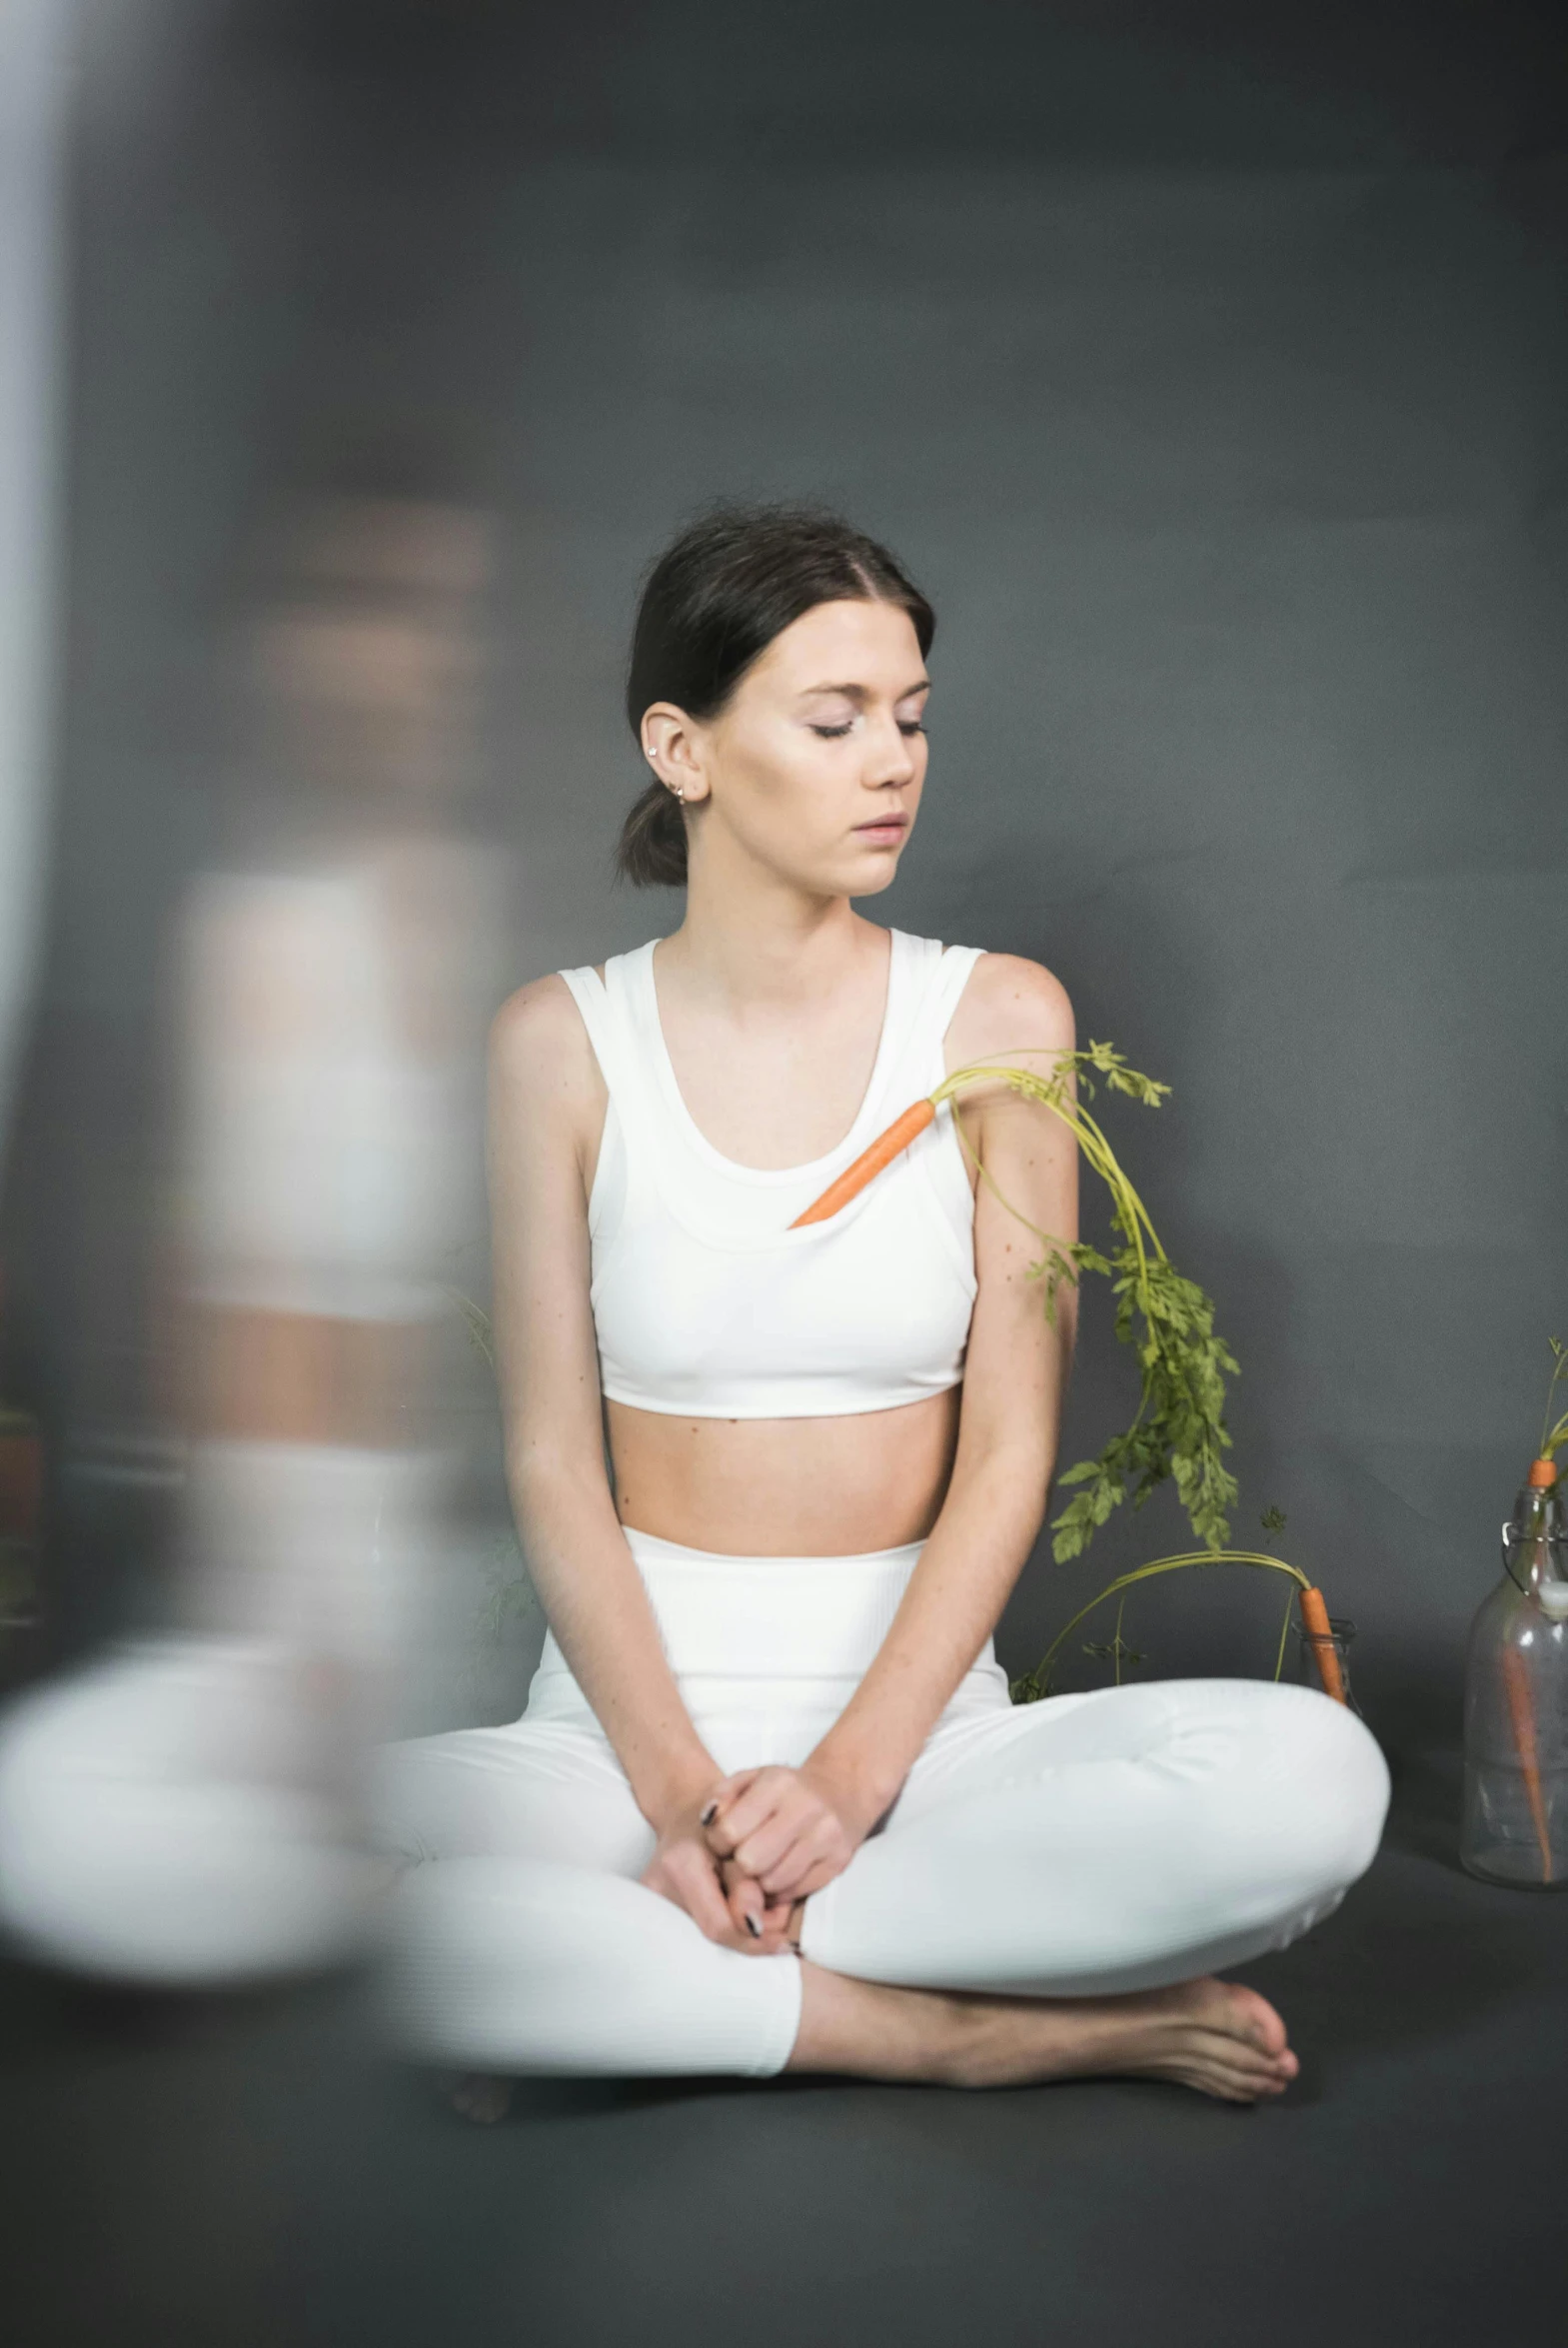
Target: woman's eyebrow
x=862, y=692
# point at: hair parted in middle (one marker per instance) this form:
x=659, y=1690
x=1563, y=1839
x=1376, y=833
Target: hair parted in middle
x=711, y=605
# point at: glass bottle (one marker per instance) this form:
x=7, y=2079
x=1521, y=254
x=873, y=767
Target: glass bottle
x=1515, y=1827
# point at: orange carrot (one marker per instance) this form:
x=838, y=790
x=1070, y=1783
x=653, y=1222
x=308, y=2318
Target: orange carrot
x=1316, y=1622
x=882, y=1152
x=1516, y=1681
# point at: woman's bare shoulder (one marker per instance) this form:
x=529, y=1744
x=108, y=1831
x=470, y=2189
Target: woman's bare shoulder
x=1011, y=1004
x=539, y=1044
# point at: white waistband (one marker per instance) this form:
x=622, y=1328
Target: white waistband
x=767, y=1626
x=746, y=1635
x=772, y=1617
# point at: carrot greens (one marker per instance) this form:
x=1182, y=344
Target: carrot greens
x=1179, y=1430
x=1029, y=1689
x=1553, y=1438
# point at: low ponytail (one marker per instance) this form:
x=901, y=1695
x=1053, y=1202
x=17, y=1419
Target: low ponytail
x=651, y=851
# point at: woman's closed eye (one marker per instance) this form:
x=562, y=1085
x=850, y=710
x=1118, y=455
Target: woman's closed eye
x=908, y=727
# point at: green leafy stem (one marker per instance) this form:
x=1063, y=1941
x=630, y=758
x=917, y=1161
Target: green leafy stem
x=1039, y=1682
x=1553, y=1438
x=1179, y=1430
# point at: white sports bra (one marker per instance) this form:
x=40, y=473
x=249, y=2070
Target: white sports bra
x=706, y=1303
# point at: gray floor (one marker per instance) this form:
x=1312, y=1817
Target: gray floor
x=257, y=2174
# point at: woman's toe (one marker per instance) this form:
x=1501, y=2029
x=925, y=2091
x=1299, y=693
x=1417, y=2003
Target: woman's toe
x=1239, y=2060
x=1260, y=2025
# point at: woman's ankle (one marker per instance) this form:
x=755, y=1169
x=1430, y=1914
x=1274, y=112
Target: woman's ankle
x=878, y=2030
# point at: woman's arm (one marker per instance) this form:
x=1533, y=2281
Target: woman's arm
x=1014, y=1379
x=547, y=1107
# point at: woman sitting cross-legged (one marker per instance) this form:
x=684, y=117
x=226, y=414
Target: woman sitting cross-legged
x=769, y=1807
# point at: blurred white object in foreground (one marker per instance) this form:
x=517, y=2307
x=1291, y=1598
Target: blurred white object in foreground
x=153, y=1827
x=191, y=1811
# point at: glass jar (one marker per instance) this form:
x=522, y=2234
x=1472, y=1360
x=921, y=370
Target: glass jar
x=1311, y=1657
x=1515, y=1827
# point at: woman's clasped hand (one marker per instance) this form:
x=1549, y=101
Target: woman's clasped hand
x=742, y=1855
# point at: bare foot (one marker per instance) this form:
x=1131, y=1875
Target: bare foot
x=1216, y=2036
x=476, y=2096
x=1213, y=2035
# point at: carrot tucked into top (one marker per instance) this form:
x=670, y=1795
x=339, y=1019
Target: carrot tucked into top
x=882, y=1152
x=1316, y=1622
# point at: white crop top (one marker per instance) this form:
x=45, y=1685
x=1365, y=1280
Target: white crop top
x=706, y=1303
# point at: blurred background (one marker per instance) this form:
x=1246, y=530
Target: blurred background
x=1205, y=362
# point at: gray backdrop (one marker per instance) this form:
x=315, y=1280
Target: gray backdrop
x=1210, y=373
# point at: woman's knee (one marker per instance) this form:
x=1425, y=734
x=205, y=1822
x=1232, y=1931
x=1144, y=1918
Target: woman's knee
x=1318, y=1785
x=508, y=1794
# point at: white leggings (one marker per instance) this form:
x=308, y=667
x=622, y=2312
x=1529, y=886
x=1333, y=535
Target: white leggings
x=1082, y=1845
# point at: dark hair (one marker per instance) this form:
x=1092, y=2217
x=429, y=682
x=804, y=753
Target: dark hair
x=713, y=603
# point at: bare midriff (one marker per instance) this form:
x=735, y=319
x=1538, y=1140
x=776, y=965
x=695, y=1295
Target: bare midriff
x=785, y=1488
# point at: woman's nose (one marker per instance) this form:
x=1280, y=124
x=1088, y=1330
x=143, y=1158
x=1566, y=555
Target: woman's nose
x=891, y=756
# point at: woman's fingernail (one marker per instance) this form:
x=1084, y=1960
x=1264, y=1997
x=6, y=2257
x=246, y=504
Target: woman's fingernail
x=707, y=1817
x=752, y=1926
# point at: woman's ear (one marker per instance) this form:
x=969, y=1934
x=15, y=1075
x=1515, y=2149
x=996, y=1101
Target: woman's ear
x=672, y=746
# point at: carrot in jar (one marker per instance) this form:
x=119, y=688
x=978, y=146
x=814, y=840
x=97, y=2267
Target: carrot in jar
x=1516, y=1684
x=1316, y=1622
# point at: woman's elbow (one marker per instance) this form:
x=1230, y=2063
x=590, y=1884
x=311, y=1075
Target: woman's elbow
x=1012, y=1468
x=544, y=1472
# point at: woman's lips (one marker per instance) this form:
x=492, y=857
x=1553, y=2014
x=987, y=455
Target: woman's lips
x=884, y=828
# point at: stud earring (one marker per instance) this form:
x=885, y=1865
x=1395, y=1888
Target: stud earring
x=680, y=794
